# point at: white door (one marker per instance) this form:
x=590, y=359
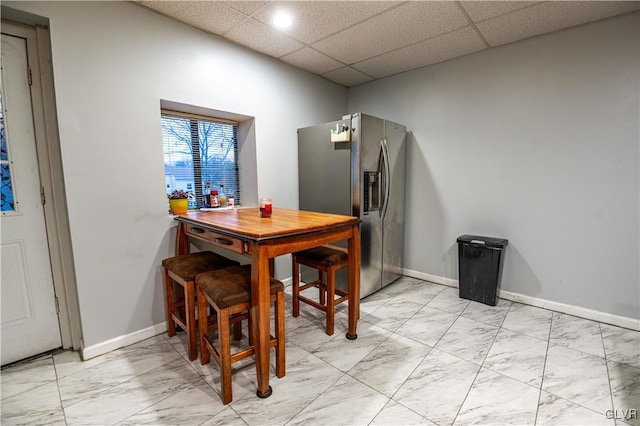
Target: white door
x=29, y=318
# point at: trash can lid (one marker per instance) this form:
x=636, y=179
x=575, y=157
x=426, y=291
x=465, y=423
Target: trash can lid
x=484, y=241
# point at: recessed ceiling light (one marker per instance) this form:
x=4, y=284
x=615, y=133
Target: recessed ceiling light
x=282, y=20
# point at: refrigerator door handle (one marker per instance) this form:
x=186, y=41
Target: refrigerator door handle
x=386, y=177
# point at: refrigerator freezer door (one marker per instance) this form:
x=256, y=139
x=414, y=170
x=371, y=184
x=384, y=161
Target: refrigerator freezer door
x=368, y=133
x=393, y=222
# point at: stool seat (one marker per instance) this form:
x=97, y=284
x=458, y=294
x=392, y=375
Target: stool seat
x=228, y=293
x=187, y=266
x=231, y=286
x=182, y=270
x=323, y=256
x=327, y=260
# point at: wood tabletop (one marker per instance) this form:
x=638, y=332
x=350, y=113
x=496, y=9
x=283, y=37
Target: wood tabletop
x=247, y=222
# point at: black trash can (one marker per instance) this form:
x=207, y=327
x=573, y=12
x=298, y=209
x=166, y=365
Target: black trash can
x=480, y=262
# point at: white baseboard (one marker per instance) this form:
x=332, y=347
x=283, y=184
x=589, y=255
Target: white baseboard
x=122, y=341
x=564, y=308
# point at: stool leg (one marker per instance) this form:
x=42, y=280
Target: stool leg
x=295, y=288
x=280, y=345
x=237, y=331
x=225, y=354
x=204, y=327
x=331, y=292
x=190, y=314
x=168, y=284
x=322, y=295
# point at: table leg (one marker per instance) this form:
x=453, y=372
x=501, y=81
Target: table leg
x=182, y=241
x=354, y=282
x=260, y=306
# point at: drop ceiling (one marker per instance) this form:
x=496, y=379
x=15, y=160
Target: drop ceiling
x=354, y=42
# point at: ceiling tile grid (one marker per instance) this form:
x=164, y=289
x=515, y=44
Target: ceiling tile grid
x=441, y=48
x=354, y=42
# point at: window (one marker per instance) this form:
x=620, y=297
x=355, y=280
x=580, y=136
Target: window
x=200, y=152
x=7, y=200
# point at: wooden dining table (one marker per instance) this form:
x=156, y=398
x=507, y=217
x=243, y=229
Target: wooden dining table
x=243, y=231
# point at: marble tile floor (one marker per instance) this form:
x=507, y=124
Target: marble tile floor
x=423, y=357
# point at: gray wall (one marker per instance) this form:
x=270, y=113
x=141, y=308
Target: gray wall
x=113, y=62
x=538, y=142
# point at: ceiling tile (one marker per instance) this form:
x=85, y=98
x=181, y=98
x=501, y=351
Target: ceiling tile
x=409, y=23
x=347, y=76
x=312, y=60
x=262, y=38
x=213, y=17
x=482, y=10
x=246, y=7
x=314, y=20
x=549, y=16
x=437, y=49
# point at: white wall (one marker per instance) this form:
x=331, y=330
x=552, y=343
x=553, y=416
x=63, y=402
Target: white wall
x=537, y=142
x=113, y=62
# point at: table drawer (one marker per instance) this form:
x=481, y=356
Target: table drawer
x=229, y=243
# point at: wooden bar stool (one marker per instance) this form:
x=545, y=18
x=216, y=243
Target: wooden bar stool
x=327, y=260
x=182, y=270
x=228, y=293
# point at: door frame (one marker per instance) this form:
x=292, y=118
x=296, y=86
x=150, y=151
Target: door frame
x=51, y=178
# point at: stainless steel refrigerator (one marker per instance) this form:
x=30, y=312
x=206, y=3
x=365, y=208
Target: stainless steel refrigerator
x=356, y=166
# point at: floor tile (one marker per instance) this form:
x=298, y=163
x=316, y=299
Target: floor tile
x=492, y=315
x=556, y=411
x=438, y=387
x=576, y=333
x=393, y=314
x=468, y=339
x=390, y=364
x=335, y=405
x=428, y=325
x=517, y=356
x=497, y=399
x=120, y=402
x=33, y=405
x=625, y=390
x=120, y=366
x=310, y=335
x=577, y=376
x=400, y=286
x=305, y=381
x=343, y=353
x=395, y=414
x=191, y=406
x=26, y=375
x=528, y=320
x=448, y=300
x=226, y=417
x=621, y=344
x=373, y=302
x=421, y=292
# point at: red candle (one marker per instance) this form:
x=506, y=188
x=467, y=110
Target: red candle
x=265, y=207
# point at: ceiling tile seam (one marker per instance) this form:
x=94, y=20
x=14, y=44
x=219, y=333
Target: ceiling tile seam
x=348, y=66
x=412, y=44
x=246, y=17
x=355, y=23
x=472, y=24
x=531, y=6
x=317, y=51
